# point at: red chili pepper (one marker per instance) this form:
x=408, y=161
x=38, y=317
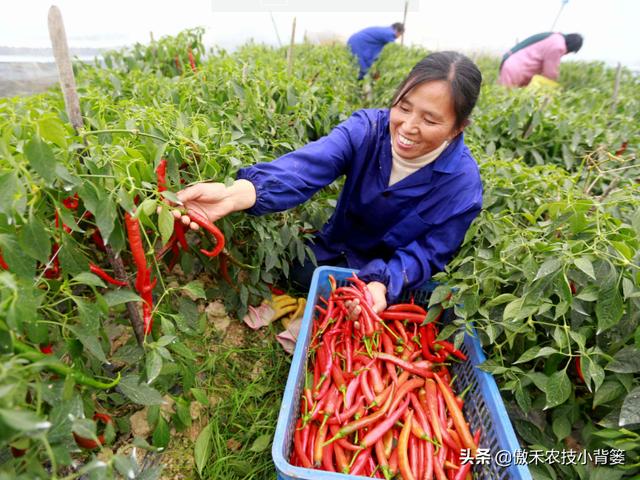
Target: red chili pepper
x=192, y=61
x=364, y=421
x=409, y=316
x=135, y=241
x=103, y=417
x=326, y=351
x=89, y=443
x=438, y=465
x=66, y=228
x=393, y=462
x=414, y=456
x=98, y=241
x=18, y=452
x=161, y=175
x=46, y=349
x=403, y=446
x=212, y=229
x=178, y=230
x=143, y=275
x=331, y=405
x=466, y=468
x=406, y=388
x=275, y=290
x=407, y=308
x=53, y=270
x=365, y=388
x=376, y=378
x=361, y=462
x=450, y=348
x=298, y=445
x=319, y=444
x=404, y=364
x=352, y=388
x=362, y=286
x=342, y=463
x=579, y=369
x=399, y=327
x=346, y=415
x=224, y=271
x=3, y=264
x=458, y=418
x=380, y=454
x=421, y=417
x=71, y=202
x=350, y=447
x=622, y=149
x=105, y=276
x=381, y=428
x=315, y=411
x=338, y=377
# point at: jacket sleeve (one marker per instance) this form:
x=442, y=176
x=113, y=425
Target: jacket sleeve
x=412, y=265
x=293, y=178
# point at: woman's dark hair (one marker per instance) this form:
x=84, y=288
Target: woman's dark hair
x=573, y=41
x=398, y=27
x=457, y=70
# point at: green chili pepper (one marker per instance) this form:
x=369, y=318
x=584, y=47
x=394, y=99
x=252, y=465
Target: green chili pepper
x=60, y=368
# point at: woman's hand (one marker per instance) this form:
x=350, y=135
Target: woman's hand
x=215, y=200
x=379, y=293
x=379, y=296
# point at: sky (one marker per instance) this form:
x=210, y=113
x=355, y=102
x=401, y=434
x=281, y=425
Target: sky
x=609, y=27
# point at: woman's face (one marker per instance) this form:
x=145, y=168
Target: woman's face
x=423, y=120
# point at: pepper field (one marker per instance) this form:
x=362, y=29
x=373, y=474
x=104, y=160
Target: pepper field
x=548, y=272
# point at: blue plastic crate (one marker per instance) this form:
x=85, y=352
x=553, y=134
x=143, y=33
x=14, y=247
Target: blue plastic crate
x=483, y=404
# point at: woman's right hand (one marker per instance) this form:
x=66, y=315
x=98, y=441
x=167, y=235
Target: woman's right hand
x=215, y=200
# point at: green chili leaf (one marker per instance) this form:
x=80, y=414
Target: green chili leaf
x=609, y=307
x=41, y=158
x=203, y=447
x=626, y=360
x=34, y=240
x=630, y=413
x=584, y=264
x=558, y=389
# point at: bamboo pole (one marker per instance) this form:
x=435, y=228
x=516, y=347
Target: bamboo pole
x=275, y=27
x=72, y=103
x=290, y=51
x=404, y=20
x=65, y=70
x=555, y=20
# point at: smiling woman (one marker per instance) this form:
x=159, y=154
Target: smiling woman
x=411, y=191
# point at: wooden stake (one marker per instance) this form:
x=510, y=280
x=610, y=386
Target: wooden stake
x=290, y=51
x=65, y=71
x=275, y=27
x=404, y=20
x=72, y=104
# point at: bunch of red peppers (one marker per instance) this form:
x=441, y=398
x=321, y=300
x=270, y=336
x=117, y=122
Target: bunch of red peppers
x=143, y=283
x=377, y=399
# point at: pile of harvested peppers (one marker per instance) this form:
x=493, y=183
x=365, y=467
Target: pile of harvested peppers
x=377, y=399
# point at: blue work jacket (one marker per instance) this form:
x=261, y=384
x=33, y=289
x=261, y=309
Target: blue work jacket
x=367, y=44
x=399, y=235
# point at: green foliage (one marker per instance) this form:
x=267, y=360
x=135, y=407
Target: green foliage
x=548, y=273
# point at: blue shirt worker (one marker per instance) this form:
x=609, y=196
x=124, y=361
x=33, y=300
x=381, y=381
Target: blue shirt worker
x=411, y=191
x=367, y=44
